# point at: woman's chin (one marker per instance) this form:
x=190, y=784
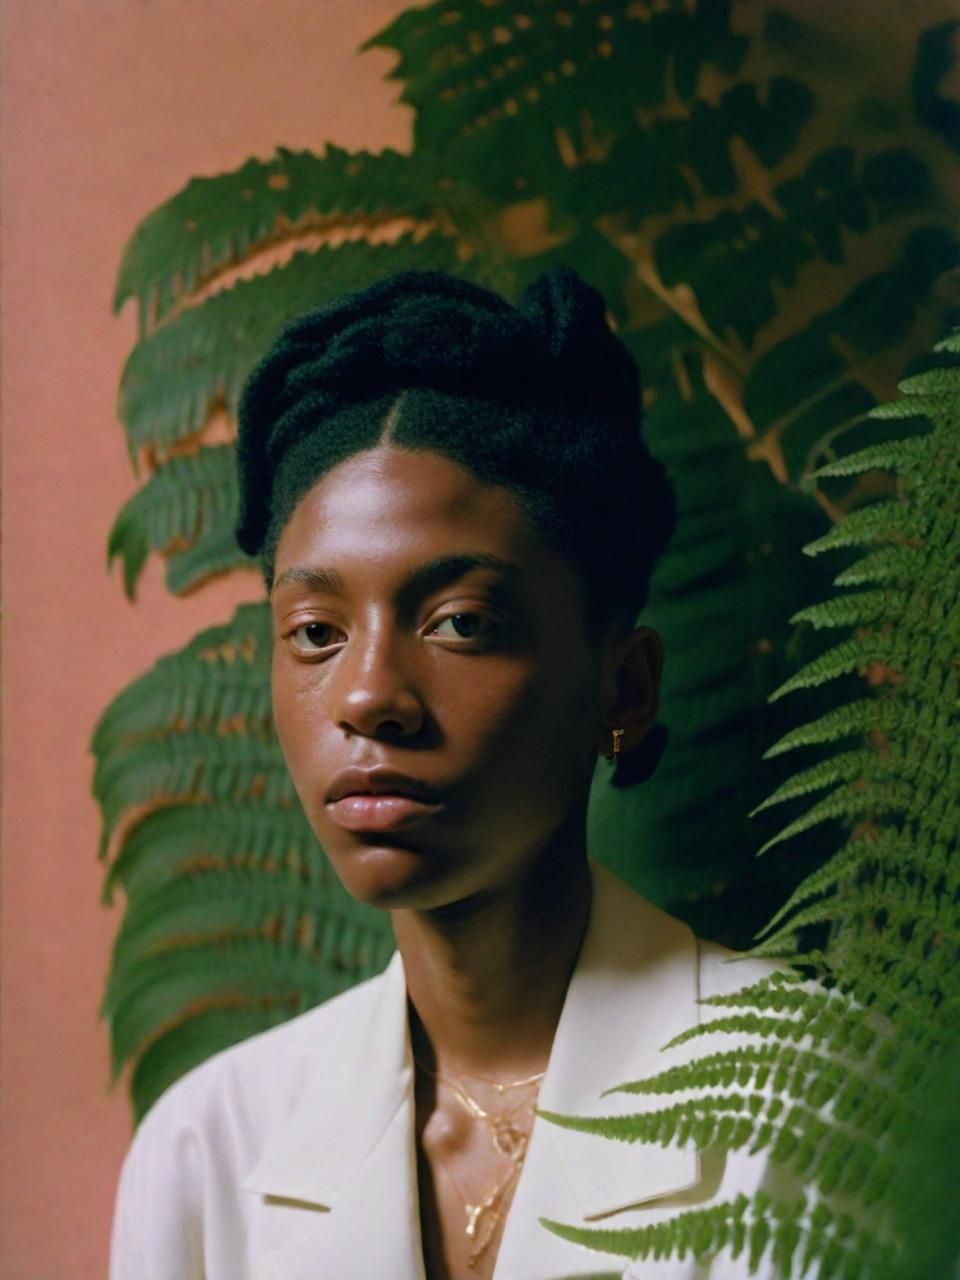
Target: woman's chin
x=389, y=876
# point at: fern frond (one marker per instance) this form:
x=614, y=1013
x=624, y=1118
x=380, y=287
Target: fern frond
x=324, y=925
x=871, y=799
x=216, y=223
x=894, y=565
x=751, y=241
x=175, y=1052
x=190, y=768
x=911, y=408
x=169, y=986
x=872, y=316
x=895, y=455
x=855, y=610
x=890, y=520
x=836, y=1023
x=940, y=383
x=178, y=376
x=187, y=510
x=886, y=844
x=483, y=74
x=174, y=841
x=782, y=990
x=847, y=767
x=762, y=1228
x=216, y=684
x=787, y=1071
x=844, y=722
x=857, y=654
x=212, y=553
x=747, y=1023
x=229, y=901
x=728, y=1119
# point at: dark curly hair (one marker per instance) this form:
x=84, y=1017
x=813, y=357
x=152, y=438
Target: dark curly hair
x=541, y=398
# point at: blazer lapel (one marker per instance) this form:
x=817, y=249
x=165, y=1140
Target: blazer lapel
x=635, y=986
x=342, y=1169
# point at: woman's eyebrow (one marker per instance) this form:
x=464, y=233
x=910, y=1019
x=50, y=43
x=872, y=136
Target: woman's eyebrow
x=420, y=581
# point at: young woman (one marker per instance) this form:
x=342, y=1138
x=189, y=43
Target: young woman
x=457, y=520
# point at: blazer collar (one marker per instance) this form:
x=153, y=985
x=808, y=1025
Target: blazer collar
x=363, y=1077
x=635, y=986
x=347, y=1151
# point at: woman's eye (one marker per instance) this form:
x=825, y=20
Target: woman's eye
x=314, y=635
x=466, y=626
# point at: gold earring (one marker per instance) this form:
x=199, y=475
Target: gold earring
x=617, y=735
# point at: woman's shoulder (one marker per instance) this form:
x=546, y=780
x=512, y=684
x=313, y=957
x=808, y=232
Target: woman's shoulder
x=184, y=1169
x=720, y=970
x=256, y=1079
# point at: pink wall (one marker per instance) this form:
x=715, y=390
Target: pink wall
x=110, y=105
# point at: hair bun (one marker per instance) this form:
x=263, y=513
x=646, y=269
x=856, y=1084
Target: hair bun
x=562, y=308
x=598, y=377
x=435, y=336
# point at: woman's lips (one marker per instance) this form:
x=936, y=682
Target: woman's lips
x=382, y=812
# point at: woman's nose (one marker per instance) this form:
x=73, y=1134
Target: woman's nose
x=377, y=695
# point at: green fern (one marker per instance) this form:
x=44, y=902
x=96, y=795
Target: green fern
x=214, y=684
x=792, y=1236
x=215, y=223
x=184, y=510
x=836, y=1084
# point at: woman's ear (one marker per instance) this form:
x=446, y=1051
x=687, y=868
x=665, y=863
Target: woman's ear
x=634, y=671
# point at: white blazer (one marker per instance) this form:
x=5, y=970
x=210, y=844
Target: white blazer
x=291, y=1155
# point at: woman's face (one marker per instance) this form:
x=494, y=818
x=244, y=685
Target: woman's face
x=422, y=626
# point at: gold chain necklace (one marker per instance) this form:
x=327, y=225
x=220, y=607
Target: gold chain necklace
x=484, y=1215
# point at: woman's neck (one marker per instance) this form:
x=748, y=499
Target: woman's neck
x=487, y=976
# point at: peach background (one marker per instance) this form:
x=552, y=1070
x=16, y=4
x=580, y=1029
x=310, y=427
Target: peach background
x=110, y=105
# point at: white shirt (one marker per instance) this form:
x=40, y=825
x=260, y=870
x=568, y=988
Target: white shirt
x=291, y=1156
